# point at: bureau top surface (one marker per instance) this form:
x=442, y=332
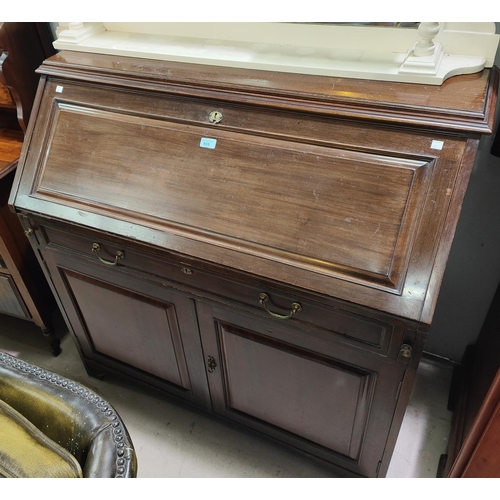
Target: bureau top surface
x=461, y=102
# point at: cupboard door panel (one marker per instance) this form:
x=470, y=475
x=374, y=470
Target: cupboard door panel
x=302, y=387
x=134, y=329
x=301, y=392
x=131, y=325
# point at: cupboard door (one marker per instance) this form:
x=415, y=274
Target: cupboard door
x=136, y=327
x=10, y=299
x=301, y=387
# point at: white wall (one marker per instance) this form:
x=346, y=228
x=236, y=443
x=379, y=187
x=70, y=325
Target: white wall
x=473, y=271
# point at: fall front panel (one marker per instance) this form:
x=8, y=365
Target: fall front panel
x=337, y=212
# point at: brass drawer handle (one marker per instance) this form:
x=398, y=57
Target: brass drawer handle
x=296, y=307
x=119, y=255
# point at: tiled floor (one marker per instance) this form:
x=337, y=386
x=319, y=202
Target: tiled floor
x=174, y=441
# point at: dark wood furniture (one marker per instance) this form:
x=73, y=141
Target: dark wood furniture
x=24, y=292
x=267, y=246
x=475, y=400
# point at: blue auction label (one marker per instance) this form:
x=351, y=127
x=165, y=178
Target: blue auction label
x=208, y=143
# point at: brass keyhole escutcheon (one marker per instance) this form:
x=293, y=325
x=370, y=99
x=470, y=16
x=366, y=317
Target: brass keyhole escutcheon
x=211, y=364
x=215, y=117
x=405, y=351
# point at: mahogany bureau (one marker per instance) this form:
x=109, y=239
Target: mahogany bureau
x=267, y=246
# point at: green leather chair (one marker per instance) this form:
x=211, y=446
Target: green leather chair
x=51, y=426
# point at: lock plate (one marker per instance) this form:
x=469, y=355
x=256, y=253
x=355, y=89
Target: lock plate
x=211, y=364
x=215, y=117
x=405, y=352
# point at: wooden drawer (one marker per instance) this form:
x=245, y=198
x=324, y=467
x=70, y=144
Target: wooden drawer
x=332, y=206
x=353, y=325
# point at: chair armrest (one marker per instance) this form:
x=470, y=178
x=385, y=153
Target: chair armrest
x=71, y=415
